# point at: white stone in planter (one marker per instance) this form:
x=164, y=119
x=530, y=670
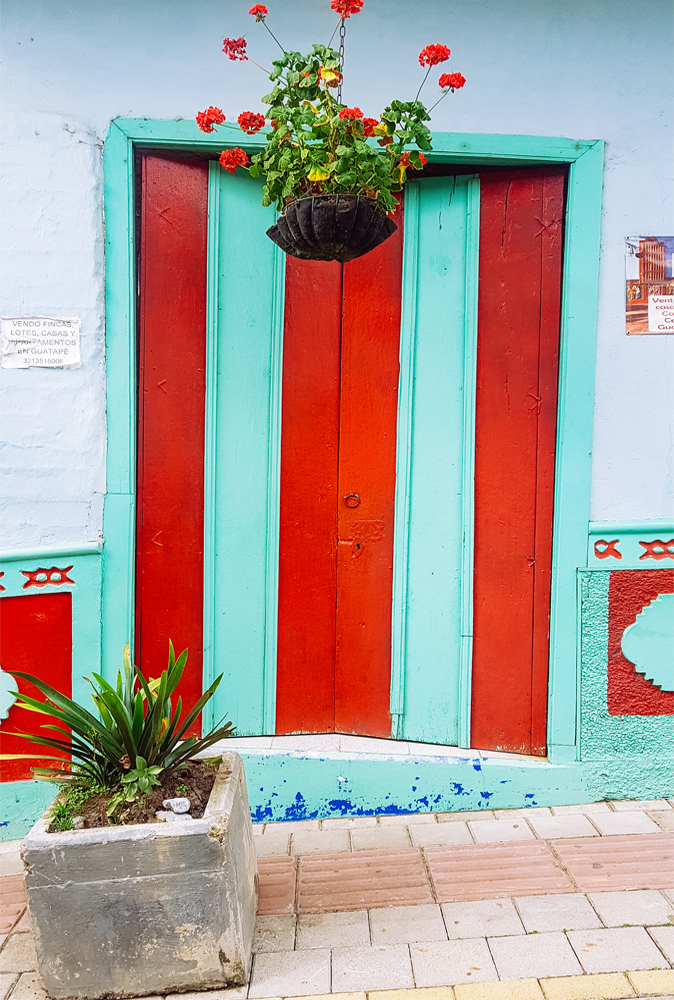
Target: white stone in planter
x=124, y=911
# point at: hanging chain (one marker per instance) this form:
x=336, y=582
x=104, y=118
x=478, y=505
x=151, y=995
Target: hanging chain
x=342, y=35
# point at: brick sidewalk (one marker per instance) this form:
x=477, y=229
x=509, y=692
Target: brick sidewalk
x=513, y=905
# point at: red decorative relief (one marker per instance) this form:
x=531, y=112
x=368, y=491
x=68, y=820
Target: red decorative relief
x=604, y=549
x=657, y=549
x=53, y=577
x=630, y=693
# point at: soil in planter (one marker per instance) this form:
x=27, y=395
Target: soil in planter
x=194, y=782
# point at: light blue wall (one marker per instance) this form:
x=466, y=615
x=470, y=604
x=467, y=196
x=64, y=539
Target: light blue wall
x=571, y=69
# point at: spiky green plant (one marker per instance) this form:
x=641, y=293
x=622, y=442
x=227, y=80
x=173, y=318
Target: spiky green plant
x=136, y=728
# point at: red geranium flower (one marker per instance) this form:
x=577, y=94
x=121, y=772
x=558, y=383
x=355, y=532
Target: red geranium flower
x=434, y=54
x=453, y=80
x=368, y=125
x=230, y=159
x=259, y=11
x=345, y=8
x=210, y=117
x=405, y=160
x=250, y=122
x=353, y=113
x=235, y=48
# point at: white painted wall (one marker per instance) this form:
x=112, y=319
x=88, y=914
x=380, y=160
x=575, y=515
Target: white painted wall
x=572, y=68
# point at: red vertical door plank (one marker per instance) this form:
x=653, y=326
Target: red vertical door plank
x=305, y=691
x=367, y=456
x=36, y=638
x=171, y=401
x=516, y=405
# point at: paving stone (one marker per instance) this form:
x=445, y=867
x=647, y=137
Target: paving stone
x=665, y=820
x=403, y=924
x=362, y=880
x=528, y=812
x=333, y=996
x=567, y=912
x=420, y=993
x=669, y=894
x=381, y=837
x=445, y=833
x=24, y=924
x=28, y=988
x=274, y=932
x=629, y=805
x=277, y=885
x=654, y=982
x=231, y=993
x=516, y=989
x=489, y=871
x=462, y=817
x=273, y=843
x=373, y=968
x=487, y=831
x=611, y=863
x=333, y=930
x=348, y=822
x=320, y=841
x=11, y=863
x=7, y=980
x=534, y=955
x=613, y=824
x=9, y=915
x=573, y=825
x=18, y=955
x=258, y=829
x=616, y=949
x=645, y=906
x=290, y=974
x=664, y=936
x=520, y=989
x=293, y=826
x=586, y=807
x=405, y=818
x=604, y=986
x=441, y=963
x=481, y=918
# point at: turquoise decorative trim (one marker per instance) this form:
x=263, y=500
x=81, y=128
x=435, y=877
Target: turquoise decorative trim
x=404, y=455
x=85, y=573
x=210, y=445
x=649, y=642
x=640, y=743
x=468, y=490
x=574, y=435
x=630, y=545
x=274, y=491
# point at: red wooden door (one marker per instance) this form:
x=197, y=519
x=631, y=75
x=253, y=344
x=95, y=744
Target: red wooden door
x=521, y=232
x=171, y=401
x=340, y=392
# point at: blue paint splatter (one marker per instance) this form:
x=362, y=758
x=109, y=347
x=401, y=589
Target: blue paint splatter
x=477, y=767
x=414, y=788
x=486, y=795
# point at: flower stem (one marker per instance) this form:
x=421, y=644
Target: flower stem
x=444, y=94
x=422, y=83
x=274, y=37
x=333, y=34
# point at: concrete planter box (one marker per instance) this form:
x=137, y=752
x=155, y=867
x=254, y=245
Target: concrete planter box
x=155, y=908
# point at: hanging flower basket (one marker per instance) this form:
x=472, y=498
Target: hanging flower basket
x=331, y=227
x=332, y=172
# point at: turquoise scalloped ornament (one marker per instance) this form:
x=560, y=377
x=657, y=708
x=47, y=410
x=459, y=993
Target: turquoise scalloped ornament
x=649, y=642
x=7, y=686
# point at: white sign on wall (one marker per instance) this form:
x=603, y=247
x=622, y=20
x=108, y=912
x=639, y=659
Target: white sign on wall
x=41, y=342
x=661, y=314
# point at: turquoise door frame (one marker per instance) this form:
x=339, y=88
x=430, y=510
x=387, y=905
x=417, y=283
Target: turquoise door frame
x=575, y=413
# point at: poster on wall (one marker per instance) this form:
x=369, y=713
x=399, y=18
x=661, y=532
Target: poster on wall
x=649, y=287
x=41, y=342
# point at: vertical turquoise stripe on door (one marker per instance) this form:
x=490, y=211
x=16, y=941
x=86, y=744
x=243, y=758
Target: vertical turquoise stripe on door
x=242, y=440
x=434, y=439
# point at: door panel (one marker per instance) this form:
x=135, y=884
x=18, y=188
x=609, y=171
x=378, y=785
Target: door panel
x=516, y=411
x=171, y=386
x=367, y=461
x=440, y=281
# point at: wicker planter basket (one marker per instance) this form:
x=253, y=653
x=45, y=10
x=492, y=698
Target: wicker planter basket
x=331, y=227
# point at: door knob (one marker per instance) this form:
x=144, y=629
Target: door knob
x=352, y=500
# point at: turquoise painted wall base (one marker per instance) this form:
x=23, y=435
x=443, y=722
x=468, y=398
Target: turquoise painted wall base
x=296, y=787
